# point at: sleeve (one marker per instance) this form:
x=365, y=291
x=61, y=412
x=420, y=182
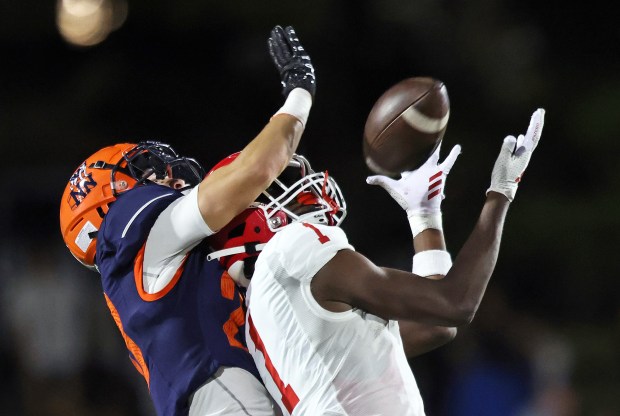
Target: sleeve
x=127, y=224
x=177, y=230
x=305, y=248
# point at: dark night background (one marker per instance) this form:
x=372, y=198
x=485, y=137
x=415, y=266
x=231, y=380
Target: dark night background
x=197, y=75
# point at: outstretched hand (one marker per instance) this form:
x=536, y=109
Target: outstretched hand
x=291, y=60
x=421, y=191
x=515, y=156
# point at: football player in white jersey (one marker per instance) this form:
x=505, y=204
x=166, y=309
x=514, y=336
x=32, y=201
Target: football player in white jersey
x=330, y=331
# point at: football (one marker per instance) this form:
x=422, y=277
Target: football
x=405, y=125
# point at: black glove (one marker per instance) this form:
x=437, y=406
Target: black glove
x=291, y=60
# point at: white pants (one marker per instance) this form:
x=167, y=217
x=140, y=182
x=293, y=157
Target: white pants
x=232, y=391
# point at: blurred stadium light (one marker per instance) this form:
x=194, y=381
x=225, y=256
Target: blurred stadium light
x=89, y=22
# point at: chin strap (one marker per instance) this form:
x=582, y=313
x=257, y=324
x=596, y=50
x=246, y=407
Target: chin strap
x=250, y=248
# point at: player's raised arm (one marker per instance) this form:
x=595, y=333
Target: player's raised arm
x=229, y=190
x=453, y=300
x=475, y=262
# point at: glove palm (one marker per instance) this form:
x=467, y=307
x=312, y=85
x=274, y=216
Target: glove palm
x=421, y=191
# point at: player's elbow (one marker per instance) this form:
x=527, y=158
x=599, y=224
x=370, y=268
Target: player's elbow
x=458, y=306
x=444, y=335
x=463, y=314
x=263, y=174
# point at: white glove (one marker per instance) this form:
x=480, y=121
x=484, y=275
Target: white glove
x=421, y=191
x=515, y=156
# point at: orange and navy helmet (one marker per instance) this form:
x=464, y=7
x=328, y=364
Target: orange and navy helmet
x=103, y=176
x=298, y=195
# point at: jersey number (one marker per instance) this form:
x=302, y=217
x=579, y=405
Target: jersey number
x=289, y=397
x=322, y=237
x=237, y=317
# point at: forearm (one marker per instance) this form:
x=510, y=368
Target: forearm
x=429, y=239
x=420, y=338
x=231, y=189
x=475, y=262
x=271, y=150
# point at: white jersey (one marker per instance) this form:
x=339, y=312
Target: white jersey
x=317, y=362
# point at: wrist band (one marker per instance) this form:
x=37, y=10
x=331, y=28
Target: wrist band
x=431, y=262
x=297, y=104
x=420, y=223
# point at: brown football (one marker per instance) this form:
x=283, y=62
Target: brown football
x=406, y=125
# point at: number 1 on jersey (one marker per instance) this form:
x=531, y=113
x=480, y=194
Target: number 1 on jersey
x=289, y=397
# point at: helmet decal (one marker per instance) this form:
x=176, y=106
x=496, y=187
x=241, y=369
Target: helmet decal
x=85, y=236
x=80, y=185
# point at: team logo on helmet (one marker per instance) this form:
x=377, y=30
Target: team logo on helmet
x=80, y=183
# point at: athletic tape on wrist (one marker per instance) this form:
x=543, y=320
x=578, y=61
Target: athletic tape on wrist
x=420, y=223
x=431, y=262
x=297, y=104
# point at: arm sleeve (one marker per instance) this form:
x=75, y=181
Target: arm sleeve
x=177, y=230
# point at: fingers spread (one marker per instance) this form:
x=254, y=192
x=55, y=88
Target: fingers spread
x=534, y=131
x=379, y=180
x=433, y=160
x=524, y=144
x=451, y=159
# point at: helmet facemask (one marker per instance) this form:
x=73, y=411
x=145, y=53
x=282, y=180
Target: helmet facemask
x=298, y=195
x=150, y=161
x=304, y=196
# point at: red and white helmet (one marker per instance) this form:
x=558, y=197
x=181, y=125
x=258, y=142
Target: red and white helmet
x=298, y=195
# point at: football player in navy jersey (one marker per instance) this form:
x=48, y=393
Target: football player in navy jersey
x=139, y=214
x=330, y=331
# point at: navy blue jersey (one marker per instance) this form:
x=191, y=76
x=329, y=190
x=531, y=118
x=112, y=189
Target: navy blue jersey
x=179, y=336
